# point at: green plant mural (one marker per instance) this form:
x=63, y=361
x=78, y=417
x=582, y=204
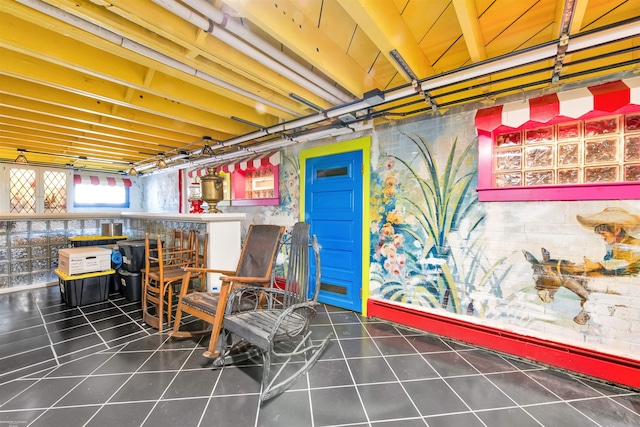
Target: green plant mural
x=415, y=207
x=289, y=184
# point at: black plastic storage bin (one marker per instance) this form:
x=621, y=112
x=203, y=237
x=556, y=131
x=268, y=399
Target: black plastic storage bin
x=114, y=282
x=132, y=252
x=79, y=241
x=84, y=289
x=130, y=284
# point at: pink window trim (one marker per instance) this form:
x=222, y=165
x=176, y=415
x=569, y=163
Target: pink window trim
x=490, y=117
x=591, y=191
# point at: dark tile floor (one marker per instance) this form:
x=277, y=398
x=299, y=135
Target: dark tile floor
x=96, y=365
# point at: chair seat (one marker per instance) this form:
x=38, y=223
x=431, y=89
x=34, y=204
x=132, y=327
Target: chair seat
x=170, y=274
x=203, y=301
x=257, y=326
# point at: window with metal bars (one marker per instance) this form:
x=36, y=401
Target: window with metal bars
x=32, y=190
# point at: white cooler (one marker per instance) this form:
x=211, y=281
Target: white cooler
x=84, y=259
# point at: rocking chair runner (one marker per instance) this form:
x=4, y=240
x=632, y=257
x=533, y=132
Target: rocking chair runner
x=280, y=328
x=254, y=268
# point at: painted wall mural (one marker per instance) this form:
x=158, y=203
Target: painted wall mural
x=416, y=206
x=622, y=258
x=434, y=247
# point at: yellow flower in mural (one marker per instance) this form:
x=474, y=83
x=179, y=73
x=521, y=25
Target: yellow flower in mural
x=394, y=217
x=390, y=180
x=388, y=192
x=387, y=230
x=389, y=187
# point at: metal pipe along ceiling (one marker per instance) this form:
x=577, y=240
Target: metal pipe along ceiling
x=240, y=46
x=244, y=33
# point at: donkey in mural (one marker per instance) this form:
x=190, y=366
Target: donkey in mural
x=550, y=274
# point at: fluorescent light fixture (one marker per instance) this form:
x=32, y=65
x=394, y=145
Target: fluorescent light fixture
x=246, y=122
x=403, y=65
x=305, y=102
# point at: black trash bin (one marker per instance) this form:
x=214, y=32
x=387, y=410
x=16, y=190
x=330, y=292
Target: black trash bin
x=132, y=252
x=130, y=284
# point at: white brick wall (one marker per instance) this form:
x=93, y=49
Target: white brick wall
x=614, y=302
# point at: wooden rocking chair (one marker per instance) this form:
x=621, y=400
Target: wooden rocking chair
x=254, y=268
x=279, y=329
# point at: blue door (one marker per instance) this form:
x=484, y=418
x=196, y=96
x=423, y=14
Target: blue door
x=333, y=207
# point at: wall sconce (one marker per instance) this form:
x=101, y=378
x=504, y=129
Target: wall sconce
x=22, y=159
x=132, y=171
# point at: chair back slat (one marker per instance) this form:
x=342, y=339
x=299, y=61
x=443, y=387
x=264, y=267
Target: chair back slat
x=258, y=253
x=279, y=330
x=297, y=284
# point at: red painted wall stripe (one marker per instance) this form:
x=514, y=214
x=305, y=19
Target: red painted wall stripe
x=616, y=369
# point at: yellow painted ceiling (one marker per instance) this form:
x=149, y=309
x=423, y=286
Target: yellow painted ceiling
x=104, y=85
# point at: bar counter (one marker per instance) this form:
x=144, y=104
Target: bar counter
x=29, y=243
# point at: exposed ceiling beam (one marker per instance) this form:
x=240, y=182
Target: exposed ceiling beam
x=199, y=45
x=29, y=118
x=57, y=102
x=161, y=49
x=34, y=41
x=283, y=21
x=383, y=24
x=467, y=14
x=579, y=10
x=33, y=70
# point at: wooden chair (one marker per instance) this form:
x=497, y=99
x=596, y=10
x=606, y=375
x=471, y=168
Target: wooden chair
x=198, y=244
x=200, y=247
x=280, y=329
x=254, y=268
x=163, y=268
x=178, y=250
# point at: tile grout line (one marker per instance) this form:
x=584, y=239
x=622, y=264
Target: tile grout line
x=130, y=318
x=483, y=375
x=213, y=389
x=439, y=375
x=400, y=382
x=73, y=388
x=53, y=350
x=346, y=361
x=131, y=375
x=172, y=380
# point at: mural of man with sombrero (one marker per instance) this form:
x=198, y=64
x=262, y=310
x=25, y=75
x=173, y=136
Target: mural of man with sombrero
x=616, y=227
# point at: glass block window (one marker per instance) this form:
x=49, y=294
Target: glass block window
x=599, y=150
x=22, y=191
x=55, y=192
